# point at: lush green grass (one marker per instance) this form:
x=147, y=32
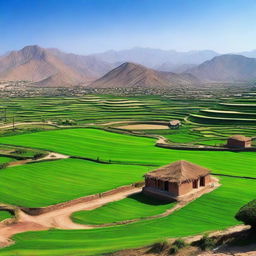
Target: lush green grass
x=133, y=207
x=5, y=215
x=98, y=108
x=46, y=183
x=212, y=211
x=5, y=160
x=93, y=143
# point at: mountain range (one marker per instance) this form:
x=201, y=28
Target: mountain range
x=129, y=68
x=226, y=68
x=134, y=75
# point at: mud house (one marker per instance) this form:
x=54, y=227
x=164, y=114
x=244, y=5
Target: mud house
x=239, y=141
x=175, y=180
x=174, y=124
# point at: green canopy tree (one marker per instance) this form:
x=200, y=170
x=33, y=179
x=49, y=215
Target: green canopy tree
x=247, y=214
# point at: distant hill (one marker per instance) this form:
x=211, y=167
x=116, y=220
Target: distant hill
x=170, y=67
x=152, y=58
x=135, y=75
x=48, y=67
x=226, y=68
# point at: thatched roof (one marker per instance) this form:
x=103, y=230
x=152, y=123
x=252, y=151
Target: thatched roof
x=179, y=171
x=175, y=122
x=240, y=138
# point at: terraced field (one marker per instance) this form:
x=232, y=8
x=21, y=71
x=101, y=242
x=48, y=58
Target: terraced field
x=210, y=212
x=62, y=180
x=126, y=149
x=90, y=108
x=133, y=207
x=236, y=111
x=126, y=158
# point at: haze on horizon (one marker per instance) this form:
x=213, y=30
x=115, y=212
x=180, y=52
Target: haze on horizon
x=89, y=26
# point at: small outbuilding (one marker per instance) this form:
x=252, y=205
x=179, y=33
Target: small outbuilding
x=239, y=141
x=175, y=180
x=174, y=124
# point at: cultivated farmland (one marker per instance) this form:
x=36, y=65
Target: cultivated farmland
x=102, y=160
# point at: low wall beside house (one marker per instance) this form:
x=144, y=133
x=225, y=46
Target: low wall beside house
x=85, y=199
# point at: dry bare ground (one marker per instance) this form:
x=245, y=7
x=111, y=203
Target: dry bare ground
x=144, y=127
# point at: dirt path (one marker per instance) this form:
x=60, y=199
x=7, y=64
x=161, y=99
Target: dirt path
x=50, y=156
x=24, y=123
x=144, y=127
x=59, y=218
x=184, y=202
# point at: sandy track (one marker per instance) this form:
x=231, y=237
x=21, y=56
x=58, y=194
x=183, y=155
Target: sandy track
x=24, y=123
x=144, y=127
x=60, y=218
x=55, y=219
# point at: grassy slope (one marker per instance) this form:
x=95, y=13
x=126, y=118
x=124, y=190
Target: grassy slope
x=62, y=180
x=95, y=143
x=4, y=215
x=135, y=206
x=5, y=160
x=211, y=212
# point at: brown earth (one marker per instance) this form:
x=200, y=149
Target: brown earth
x=134, y=75
x=144, y=127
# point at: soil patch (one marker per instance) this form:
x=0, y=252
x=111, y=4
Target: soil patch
x=144, y=127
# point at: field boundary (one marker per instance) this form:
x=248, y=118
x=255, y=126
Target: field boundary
x=204, y=148
x=85, y=199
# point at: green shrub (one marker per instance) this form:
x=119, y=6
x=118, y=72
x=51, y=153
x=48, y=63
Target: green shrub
x=179, y=243
x=206, y=243
x=247, y=214
x=159, y=247
x=20, y=151
x=3, y=165
x=174, y=249
x=38, y=155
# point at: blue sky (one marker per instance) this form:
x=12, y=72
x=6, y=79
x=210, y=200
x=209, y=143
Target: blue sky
x=88, y=26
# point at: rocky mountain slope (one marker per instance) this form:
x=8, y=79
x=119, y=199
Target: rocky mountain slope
x=226, y=68
x=134, y=75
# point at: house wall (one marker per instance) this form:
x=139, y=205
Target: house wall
x=238, y=144
x=185, y=188
x=208, y=179
x=173, y=189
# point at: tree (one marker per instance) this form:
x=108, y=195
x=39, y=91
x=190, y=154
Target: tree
x=247, y=214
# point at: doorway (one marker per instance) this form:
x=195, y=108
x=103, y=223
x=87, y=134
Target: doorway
x=195, y=184
x=202, y=181
x=166, y=186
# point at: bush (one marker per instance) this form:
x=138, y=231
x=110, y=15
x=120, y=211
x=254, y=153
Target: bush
x=38, y=155
x=174, y=249
x=206, y=243
x=159, y=247
x=66, y=122
x=3, y=165
x=247, y=214
x=20, y=151
x=179, y=243
x=176, y=245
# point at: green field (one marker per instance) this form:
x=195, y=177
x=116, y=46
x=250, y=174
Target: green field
x=62, y=180
x=5, y=160
x=210, y=212
x=127, y=158
x=126, y=149
x=133, y=207
x=5, y=215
